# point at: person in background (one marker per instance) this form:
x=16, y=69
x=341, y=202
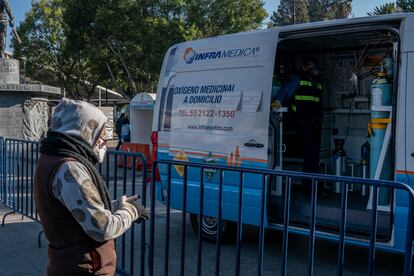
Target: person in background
x=126, y=130
x=79, y=219
x=118, y=127
x=303, y=93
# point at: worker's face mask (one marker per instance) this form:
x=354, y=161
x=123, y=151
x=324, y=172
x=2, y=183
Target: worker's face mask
x=315, y=72
x=312, y=70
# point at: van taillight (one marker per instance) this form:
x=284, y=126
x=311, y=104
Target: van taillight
x=154, y=140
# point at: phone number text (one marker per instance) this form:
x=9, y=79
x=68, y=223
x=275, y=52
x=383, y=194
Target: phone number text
x=206, y=113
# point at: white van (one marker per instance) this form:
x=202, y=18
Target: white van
x=214, y=106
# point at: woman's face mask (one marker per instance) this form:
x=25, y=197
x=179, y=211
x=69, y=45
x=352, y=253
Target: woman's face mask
x=100, y=152
x=100, y=149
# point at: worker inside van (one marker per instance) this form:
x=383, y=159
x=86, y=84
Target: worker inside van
x=303, y=95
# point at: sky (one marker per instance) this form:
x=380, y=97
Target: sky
x=19, y=8
x=360, y=8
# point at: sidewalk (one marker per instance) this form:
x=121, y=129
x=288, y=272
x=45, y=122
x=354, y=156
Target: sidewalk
x=19, y=252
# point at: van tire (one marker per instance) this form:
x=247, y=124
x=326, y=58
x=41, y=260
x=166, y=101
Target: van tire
x=209, y=233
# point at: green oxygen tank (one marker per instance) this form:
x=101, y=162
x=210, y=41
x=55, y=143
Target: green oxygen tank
x=381, y=96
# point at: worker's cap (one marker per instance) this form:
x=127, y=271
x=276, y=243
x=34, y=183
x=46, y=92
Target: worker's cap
x=310, y=60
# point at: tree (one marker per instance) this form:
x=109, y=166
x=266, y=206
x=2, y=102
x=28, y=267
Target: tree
x=136, y=34
x=121, y=43
x=44, y=45
x=310, y=11
x=224, y=16
x=317, y=10
x=406, y=5
x=384, y=9
x=290, y=12
x=341, y=8
x=399, y=6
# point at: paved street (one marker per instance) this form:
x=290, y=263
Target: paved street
x=18, y=241
x=21, y=256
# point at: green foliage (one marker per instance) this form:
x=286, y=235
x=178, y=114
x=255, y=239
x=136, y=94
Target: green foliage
x=399, y=6
x=290, y=12
x=341, y=8
x=121, y=43
x=44, y=46
x=310, y=11
x=406, y=5
x=383, y=9
x=317, y=10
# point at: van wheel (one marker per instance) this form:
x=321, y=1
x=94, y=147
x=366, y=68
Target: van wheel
x=209, y=228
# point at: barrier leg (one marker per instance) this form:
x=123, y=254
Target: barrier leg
x=39, y=239
x=5, y=216
x=409, y=240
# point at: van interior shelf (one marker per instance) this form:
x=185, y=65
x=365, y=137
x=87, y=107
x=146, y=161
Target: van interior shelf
x=381, y=108
x=280, y=110
x=352, y=111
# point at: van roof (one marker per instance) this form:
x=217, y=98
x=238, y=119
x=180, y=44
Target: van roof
x=380, y=19
x=392, y=19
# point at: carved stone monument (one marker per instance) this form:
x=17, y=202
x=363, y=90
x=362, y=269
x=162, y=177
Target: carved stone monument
x=9, y=71
x=24, y=108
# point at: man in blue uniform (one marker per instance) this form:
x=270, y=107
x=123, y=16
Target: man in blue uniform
x=303, y=94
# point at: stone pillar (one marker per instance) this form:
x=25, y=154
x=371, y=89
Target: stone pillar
x=9, y=71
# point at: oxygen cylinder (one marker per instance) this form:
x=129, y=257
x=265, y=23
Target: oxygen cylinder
x=381, y=95
x=365, y=154
x=338, y=163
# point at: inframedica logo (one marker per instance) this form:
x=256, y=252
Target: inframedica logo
x=190, y=55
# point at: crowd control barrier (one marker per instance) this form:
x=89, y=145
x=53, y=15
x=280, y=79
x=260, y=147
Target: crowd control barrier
x=200, y=197
x=1, y=170
x=131, y=246
x=138, y=249
x=19, y=165
x=18, y=161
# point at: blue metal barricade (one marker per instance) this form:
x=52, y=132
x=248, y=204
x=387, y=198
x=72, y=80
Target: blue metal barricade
x=314, y=179
x=122, y=178
x=19, y=165
x=2, y=180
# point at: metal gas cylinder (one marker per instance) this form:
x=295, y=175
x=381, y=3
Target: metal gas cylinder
x=381, y=94
x=338, y=163
x=365, y=155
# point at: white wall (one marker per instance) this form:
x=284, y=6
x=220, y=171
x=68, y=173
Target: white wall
x=408, y=145
x=141, y=126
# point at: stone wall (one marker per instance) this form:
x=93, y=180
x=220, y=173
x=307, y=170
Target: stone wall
x=11, y=115
x=22, y=116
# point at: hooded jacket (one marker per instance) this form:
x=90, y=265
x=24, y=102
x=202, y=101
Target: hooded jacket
x=79, y=229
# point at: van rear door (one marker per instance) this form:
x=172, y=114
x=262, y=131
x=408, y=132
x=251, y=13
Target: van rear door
x=215, y=100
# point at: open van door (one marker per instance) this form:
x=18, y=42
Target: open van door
x=215, y=99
